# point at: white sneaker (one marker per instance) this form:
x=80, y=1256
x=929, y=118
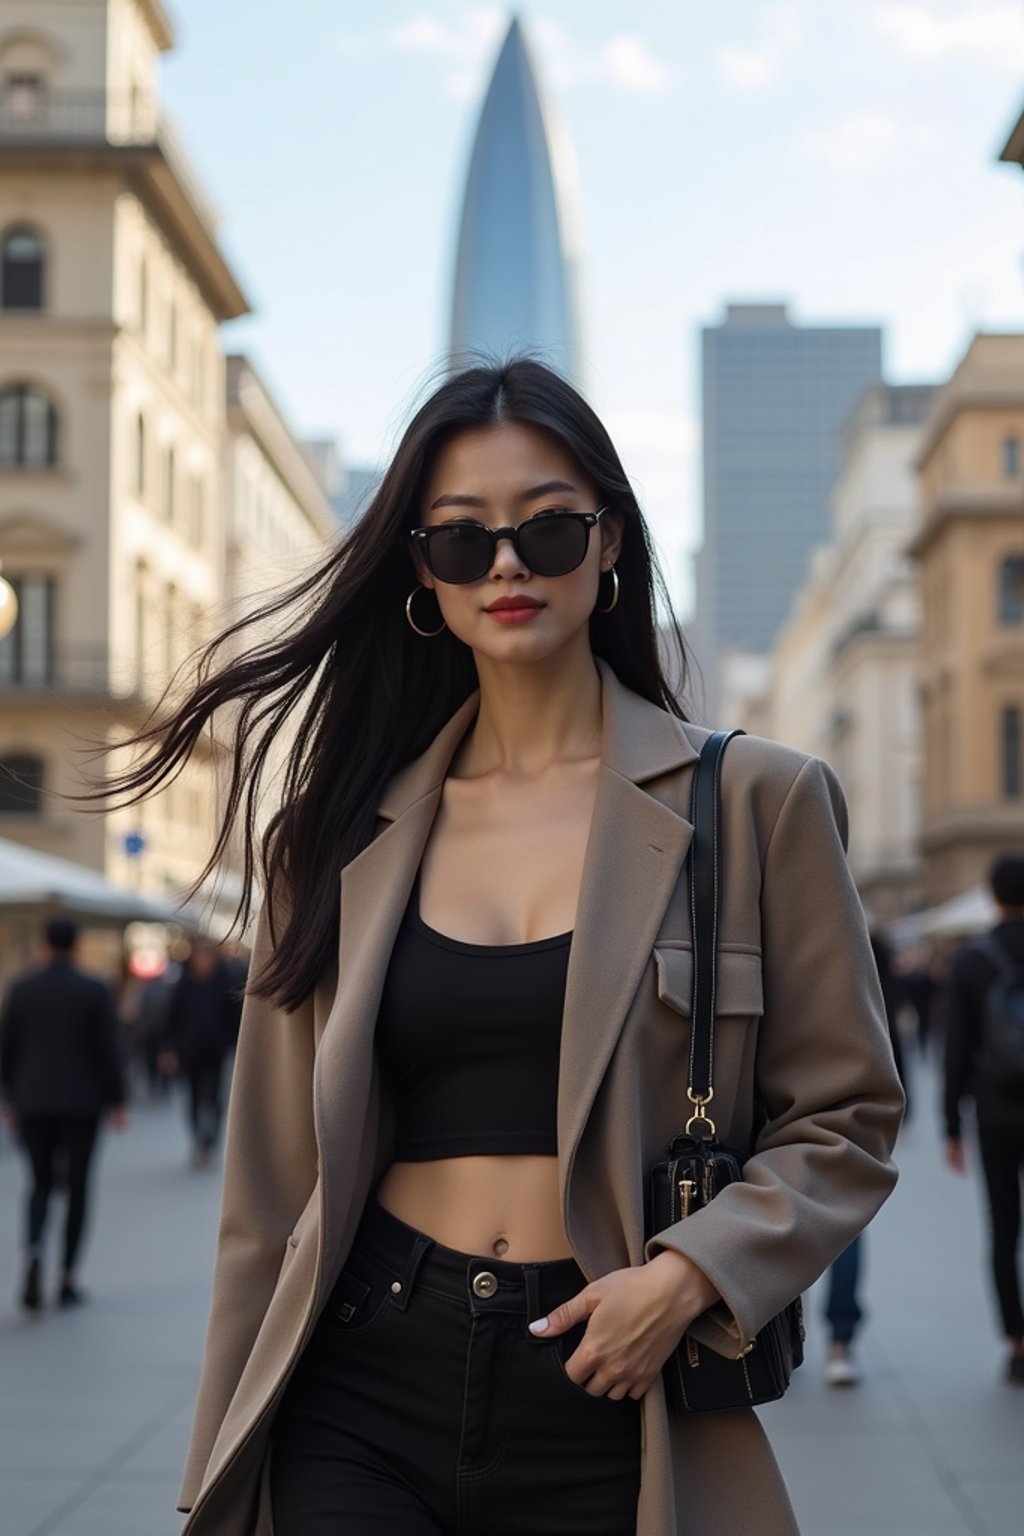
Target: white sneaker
x=840, y=1371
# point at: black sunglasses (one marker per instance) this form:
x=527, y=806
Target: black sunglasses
x=549, y=544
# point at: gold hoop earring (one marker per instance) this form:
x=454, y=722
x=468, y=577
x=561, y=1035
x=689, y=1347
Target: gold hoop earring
x=615, y=592
x=426, y=633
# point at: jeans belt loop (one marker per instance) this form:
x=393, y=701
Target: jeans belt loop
x=420, y=1248
x=534, y=1307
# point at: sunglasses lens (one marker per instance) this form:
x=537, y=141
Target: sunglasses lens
x=553, y=546
x=459, y=553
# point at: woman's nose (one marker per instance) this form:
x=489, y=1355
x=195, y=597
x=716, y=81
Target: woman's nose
x=506, y=560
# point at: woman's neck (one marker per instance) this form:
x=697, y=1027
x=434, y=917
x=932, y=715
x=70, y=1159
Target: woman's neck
x=533, y=716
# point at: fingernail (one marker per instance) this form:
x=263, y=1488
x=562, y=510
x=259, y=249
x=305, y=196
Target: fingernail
x=540, y=1326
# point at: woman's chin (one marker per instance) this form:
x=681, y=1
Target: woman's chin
x=520, y=647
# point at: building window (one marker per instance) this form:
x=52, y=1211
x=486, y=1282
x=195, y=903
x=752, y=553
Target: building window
x=28, y=429
x=26, y=654
x=170, y=632
x=21, y=285
x=24, y=99
x=1012, y=782
x=143, y=296
x=1011, y=590
x=1011, y=457
x=199, y=380
x=140, y=456
x=21, y=785
x=140, y=626
x=196, y=511
x=170, y=484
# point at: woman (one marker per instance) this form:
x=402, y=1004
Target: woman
x=434, y=1310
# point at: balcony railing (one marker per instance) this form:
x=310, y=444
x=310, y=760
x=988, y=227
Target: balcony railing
x=43, y=118
x=38, y=115
x=80, y=671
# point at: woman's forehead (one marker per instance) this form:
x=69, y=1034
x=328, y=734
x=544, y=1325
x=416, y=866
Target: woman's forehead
x=493, y=461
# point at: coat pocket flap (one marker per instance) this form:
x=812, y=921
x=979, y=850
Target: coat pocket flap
x=740, y=988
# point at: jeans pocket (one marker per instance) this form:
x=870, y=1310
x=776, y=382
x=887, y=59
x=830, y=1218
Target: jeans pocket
x=361, y=1296
x=560, y=1351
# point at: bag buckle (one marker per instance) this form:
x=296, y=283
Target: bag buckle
x=700, y=1101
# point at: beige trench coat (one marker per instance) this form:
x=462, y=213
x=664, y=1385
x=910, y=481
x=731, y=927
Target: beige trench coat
x=800, y=1027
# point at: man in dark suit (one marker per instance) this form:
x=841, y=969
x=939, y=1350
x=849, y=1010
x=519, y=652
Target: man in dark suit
x=60, y=1071
x=977, y=1068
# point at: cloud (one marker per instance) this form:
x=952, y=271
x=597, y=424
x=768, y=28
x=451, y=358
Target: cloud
x=751, y=69
x=932, y=30
x=624, y=61
x=467, y=48
x=627, y=61
x=863, y=140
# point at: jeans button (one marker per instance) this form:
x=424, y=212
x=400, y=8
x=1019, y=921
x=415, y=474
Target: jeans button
x=484, y=1284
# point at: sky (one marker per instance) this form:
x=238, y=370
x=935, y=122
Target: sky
x=840, y=157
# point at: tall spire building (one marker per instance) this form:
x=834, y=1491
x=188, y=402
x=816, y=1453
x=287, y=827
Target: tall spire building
x=516, y=266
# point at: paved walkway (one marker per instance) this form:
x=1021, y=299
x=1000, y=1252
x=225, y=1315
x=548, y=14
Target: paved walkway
x=95, y=1405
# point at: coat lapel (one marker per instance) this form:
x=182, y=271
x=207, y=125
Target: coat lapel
x=634, y=855
x=375, y=890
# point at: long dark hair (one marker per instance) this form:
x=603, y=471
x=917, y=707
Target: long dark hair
x=369, y=692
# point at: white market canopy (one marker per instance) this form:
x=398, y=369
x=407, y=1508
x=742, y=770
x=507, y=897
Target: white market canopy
x=33, y=881
x=969, y=913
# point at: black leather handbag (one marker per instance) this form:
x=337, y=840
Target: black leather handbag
x=697, y=1167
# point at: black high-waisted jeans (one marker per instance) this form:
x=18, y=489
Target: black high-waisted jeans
x=423, y=1406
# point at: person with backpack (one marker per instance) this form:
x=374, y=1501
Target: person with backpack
x=985, y=1062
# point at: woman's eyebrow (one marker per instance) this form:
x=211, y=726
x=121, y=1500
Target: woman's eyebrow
x=455, y=500
x=547, y=488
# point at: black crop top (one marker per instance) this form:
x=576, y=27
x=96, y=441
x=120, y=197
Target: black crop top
x=468, y=1037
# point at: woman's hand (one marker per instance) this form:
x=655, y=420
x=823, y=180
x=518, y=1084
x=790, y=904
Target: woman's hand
x=635, y=1318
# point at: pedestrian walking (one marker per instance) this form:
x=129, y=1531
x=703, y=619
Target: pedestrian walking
x=146, y=1017
x=984, y=1062
x=435, y=1306
x=920, y=987
x=200, y=1030
x=844, y=1308
x=61, y=1072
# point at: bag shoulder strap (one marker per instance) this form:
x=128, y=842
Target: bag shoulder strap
x=705, y=867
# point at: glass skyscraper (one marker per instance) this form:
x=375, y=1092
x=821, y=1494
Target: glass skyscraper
x=775, y=399
x=515, y=269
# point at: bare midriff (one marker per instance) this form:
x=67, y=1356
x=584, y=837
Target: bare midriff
x=499, y=1207
x=534, y=832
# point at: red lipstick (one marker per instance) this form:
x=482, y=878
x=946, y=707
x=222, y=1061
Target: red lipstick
x=514, y=610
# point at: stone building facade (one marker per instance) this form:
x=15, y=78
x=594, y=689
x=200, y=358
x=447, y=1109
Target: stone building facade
x=970, y=553
x=121, y=524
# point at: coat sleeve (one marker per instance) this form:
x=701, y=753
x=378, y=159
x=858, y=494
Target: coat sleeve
x=270, y=1169
x=825, y=1080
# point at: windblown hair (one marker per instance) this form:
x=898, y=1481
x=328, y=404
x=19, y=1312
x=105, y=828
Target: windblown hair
x=371, y=694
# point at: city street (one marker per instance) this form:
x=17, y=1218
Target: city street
x=95, y=1404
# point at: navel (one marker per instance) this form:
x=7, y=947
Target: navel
x=500, y=1246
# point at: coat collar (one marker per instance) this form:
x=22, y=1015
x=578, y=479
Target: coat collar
x=639, y=741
